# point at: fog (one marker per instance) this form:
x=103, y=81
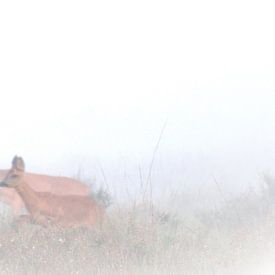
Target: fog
x=166, y=105
x=88, y=88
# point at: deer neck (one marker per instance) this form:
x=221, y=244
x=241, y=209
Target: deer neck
x=28, y=195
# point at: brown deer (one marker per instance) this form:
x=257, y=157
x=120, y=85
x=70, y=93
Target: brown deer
x=45, y=208
x=41, y=183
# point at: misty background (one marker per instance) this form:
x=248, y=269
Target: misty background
x=86, y=89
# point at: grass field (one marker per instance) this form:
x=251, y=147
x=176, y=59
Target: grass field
x=151, y=238
x=239, y=238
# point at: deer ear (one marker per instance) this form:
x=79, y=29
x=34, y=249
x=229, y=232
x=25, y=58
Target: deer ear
x=18, y=163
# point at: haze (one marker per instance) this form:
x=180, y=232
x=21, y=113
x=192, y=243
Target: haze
x=86, y=85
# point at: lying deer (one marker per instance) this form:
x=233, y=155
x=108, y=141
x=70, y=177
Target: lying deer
x=45, y=207
x=41, y=183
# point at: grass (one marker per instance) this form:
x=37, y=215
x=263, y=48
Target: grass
x=142, y=239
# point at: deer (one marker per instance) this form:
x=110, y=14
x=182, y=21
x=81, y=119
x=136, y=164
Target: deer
x=46, y=208
x=42, y=183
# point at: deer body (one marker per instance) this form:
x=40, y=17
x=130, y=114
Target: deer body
x=63, y=210
x=66, y=211
x=42, y=183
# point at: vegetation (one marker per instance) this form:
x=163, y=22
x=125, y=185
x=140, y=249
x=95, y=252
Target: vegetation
x=238, y=238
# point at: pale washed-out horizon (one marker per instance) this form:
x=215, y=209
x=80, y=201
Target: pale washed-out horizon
x=177, y=93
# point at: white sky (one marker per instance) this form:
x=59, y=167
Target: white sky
x=96, y=80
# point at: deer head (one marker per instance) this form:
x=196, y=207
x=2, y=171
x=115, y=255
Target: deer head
x=15, y=174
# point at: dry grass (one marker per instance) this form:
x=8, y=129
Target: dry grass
x=142, y=240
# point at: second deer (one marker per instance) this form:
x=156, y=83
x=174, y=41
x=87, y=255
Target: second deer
x=45, y=207
x=41, y=183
